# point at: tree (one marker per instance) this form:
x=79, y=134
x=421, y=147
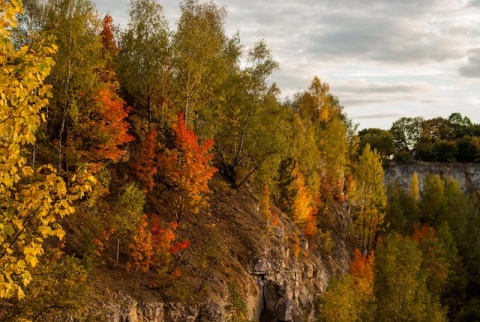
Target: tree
x=402, y=211
x=438, y=257
x=60, y=290
x=381, y=140
x=341, y=301
x=445, y=151
x=432, y=198
x=350, y=297
x=406, y=132
x=426, y=152
x=110, y=51
x=100, y=132
x=370, y=198
x=144, y=64
x=400, y=284
x=101, y=129
x=462, y=213
x=437, y=129
x=302, y=204
x=468, y=149
x=306, y=150
x=86, y=117
x=107, y=37
x=303, y=152
x=154, y=246
x=463, y=125
x=32, y=201
x=333, y=147
x=318, y=103
x=352, y=138
x=414, y=187
x=187, y=170
x=319, y=109
x=361, y=269
x=145, y=161
x=75, y=26
x=249, y=139
x=200, y=62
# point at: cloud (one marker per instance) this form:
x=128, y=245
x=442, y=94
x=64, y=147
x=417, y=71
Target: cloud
x=119, y=11
x=394, y=31
x=363, y=36
x=379, y=56
x=364, y=92
x=378, y=116
x=472, y=68
x=475, y=3
x=372, y=100
x=363, y=86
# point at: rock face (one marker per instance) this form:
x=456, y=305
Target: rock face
x=288, y=287
x=280, y=287
x=285, y=289
x=127, y=309
x=468, y=174
x=279, y=278
x=241, y=264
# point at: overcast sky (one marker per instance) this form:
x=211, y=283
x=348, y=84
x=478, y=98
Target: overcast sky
x=384, y=59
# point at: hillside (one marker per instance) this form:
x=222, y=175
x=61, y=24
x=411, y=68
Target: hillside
x=239, y=264
x=149, y=174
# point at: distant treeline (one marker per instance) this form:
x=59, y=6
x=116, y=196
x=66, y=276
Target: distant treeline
x=455, y=139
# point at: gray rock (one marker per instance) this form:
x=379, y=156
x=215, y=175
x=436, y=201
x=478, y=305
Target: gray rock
x=467, y=174
x=260, y=266
x=211, y=312
x=283, y=309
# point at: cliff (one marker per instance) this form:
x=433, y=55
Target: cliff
x=468, y=174
x=239, y=267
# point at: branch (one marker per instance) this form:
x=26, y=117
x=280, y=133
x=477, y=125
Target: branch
x=19, y=233
x=252, y=171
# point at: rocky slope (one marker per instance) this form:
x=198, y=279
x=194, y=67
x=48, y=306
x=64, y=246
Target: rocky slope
x=240, y=267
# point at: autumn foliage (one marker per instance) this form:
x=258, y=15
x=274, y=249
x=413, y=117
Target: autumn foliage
x=436, y=264
x=108, y=39
x=145, y=165
x=187, y=170
x=361, y=269
x=153, y=246
x=139, y=203
x=33, y=200
x=108, y=127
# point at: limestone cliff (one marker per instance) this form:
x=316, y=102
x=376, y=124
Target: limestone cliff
x=468, y=174
x=275, y=281
x=241, y=267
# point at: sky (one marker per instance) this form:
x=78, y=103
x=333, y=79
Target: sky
x=384, y=59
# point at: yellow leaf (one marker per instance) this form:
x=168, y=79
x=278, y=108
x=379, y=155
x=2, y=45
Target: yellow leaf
x=32, y=260
x=20, y=293
x=27, y=171
x=45, y=230
x=26, y=277
x=60, y=233
x=21, y=264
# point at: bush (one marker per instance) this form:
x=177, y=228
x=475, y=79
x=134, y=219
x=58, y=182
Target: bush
x=467, y=149
x=426, y=152
x=403, y=157
x=445, y=151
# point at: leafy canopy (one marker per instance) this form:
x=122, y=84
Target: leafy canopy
x=31, y=200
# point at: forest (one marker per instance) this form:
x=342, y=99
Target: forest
x=113, y=140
